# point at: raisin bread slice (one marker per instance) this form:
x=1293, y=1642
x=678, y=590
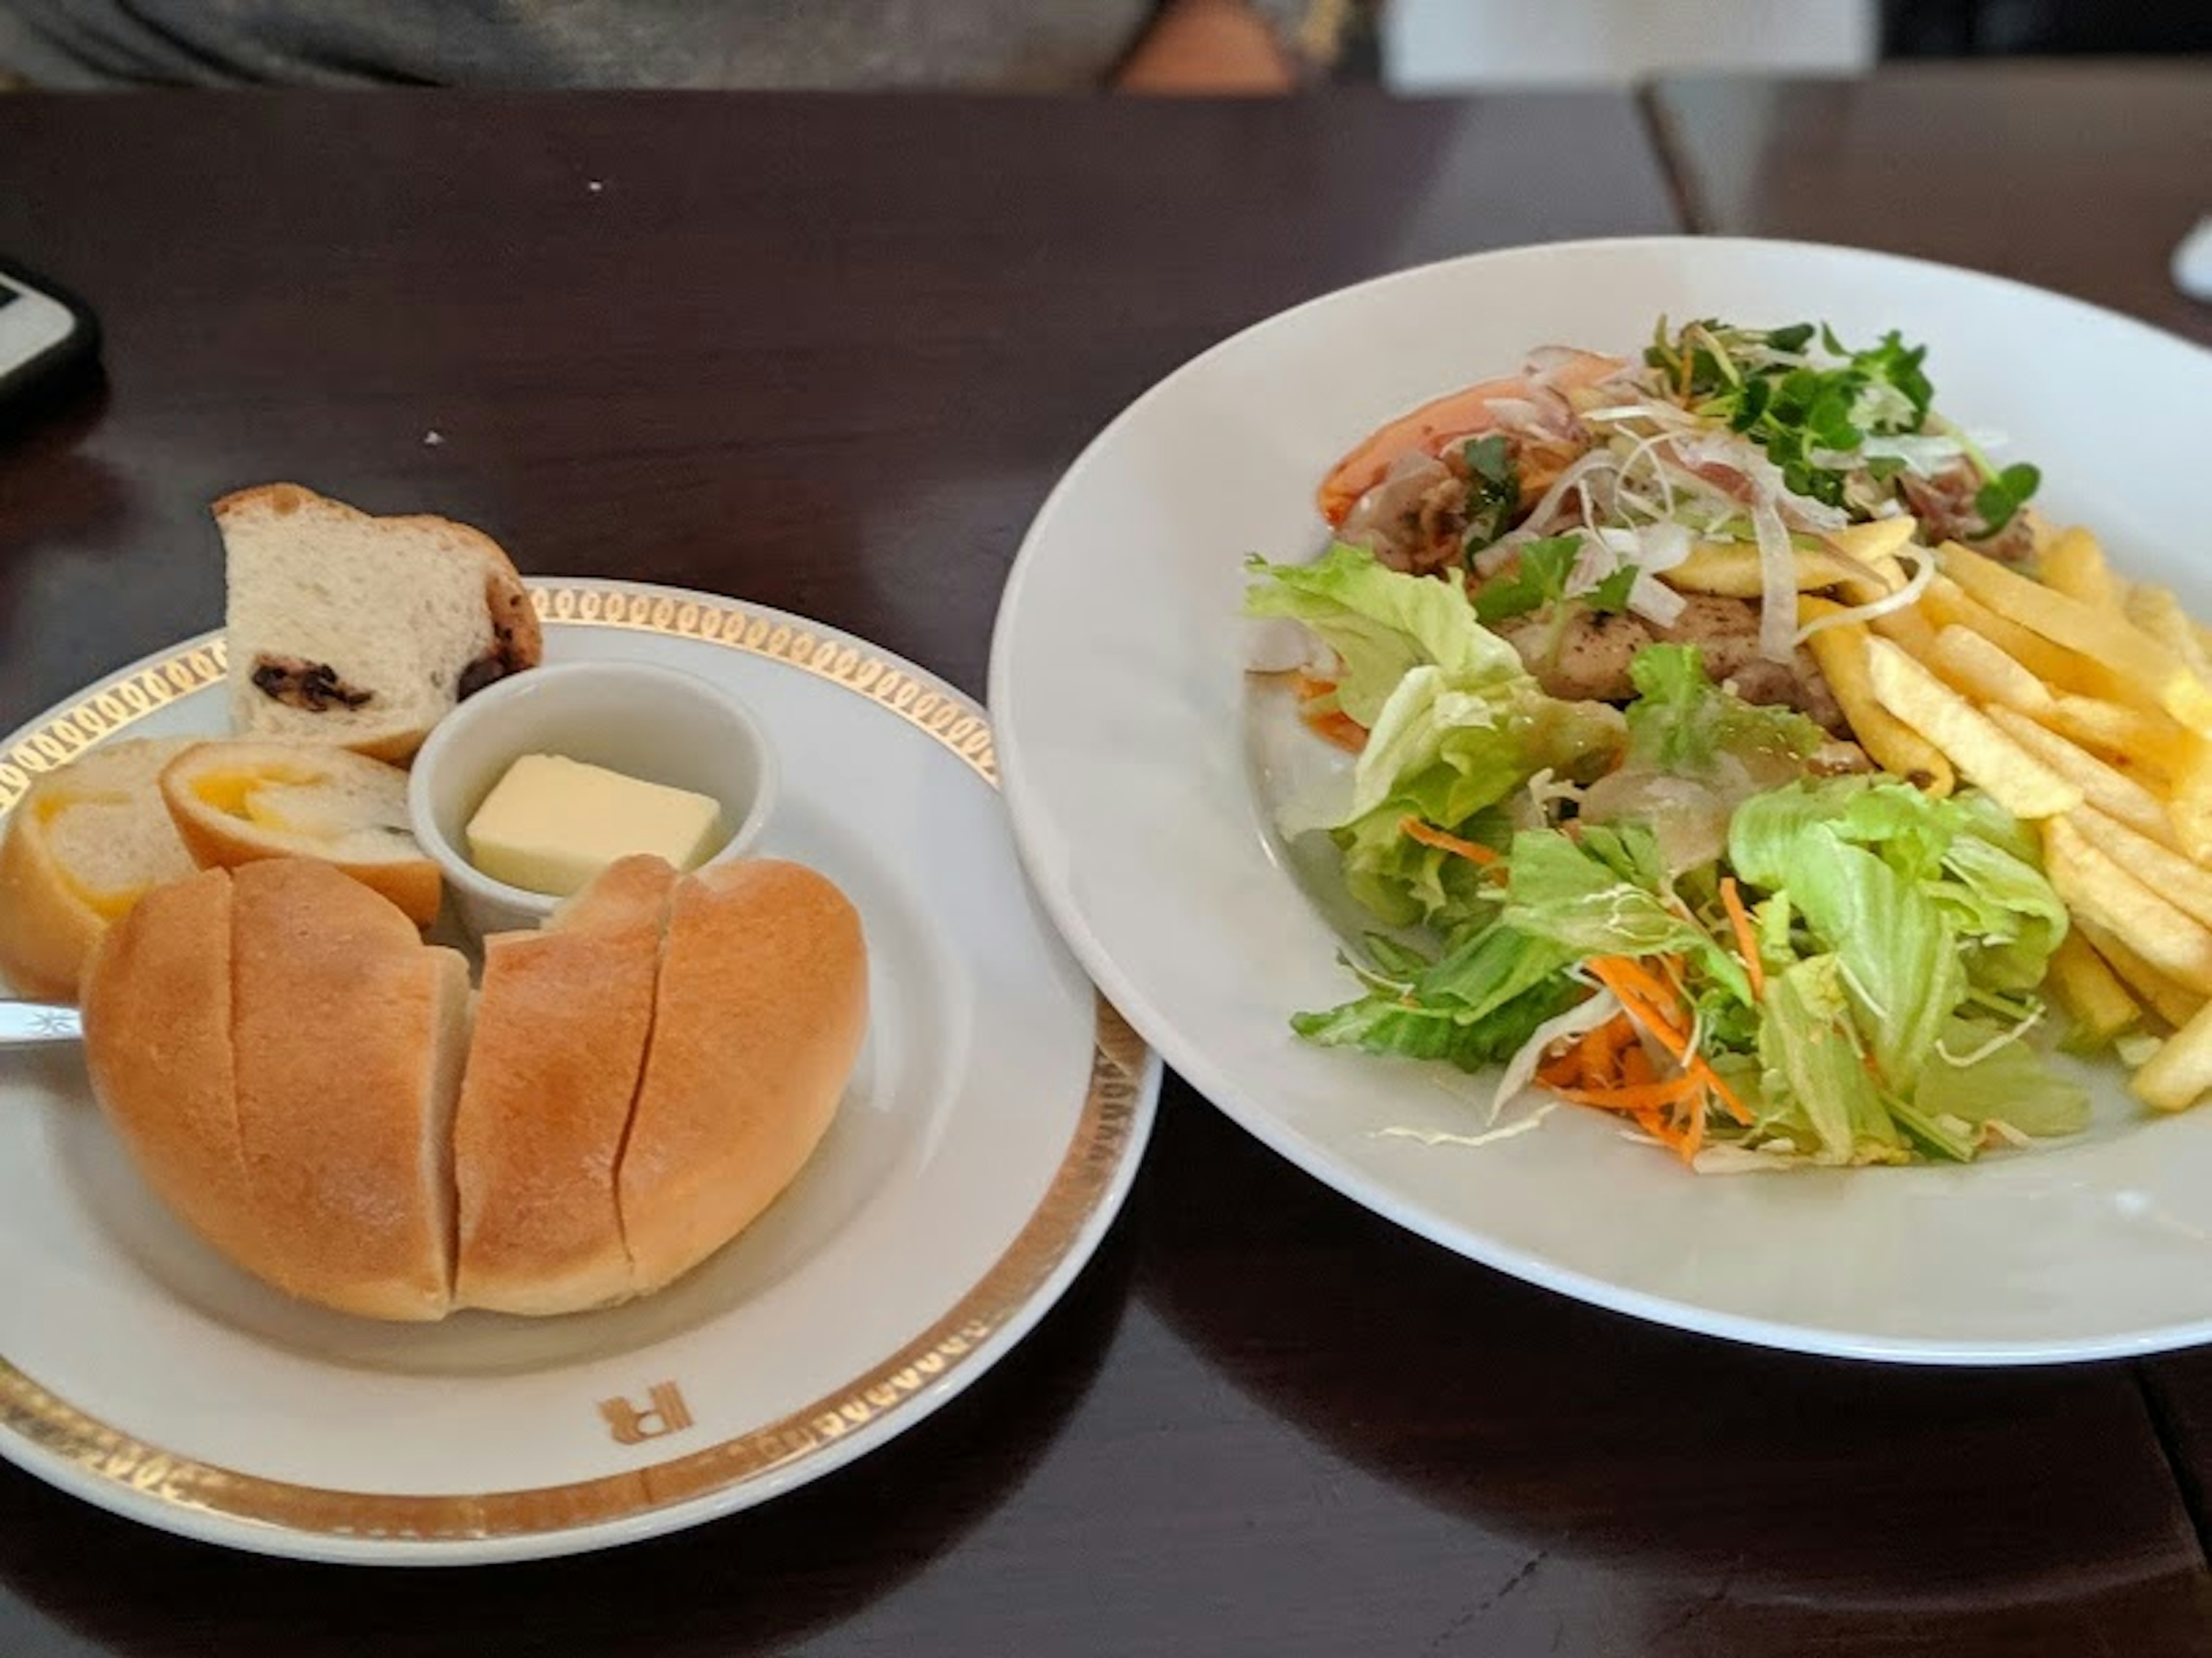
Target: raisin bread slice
x=360, y=631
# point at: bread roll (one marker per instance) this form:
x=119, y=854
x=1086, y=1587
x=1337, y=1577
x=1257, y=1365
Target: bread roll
x=761, y=1004
x=84, y=842
x=237, y=802
x=560, y=1040
x=284, y=1058
x=157, y=1013
x=350, y=1035
x=362, y=631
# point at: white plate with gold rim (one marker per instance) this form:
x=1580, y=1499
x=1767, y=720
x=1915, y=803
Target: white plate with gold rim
x=985, y=1141
x=1141, y=770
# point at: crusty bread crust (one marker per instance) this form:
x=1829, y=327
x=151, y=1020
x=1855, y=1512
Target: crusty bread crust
x=47, y=930
x=759, y=1016
x=339, y=1015
x=218, y=840
x=47, y=934
x=560, y=1040
x=157, y=1012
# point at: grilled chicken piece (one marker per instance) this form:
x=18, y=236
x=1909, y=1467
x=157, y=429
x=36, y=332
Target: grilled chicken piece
x=1594, y=651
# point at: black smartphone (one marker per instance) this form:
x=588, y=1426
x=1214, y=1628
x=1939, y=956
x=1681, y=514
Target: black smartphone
x=46, y=335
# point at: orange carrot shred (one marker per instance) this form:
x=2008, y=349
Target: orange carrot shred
x=1634, y=983
x=1414, y=829
x=1747, y=940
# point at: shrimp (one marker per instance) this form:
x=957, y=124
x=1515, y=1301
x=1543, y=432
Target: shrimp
x=1438, y=424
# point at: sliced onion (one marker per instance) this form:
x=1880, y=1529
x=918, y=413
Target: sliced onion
x=1434, y=1137
x=1655, y=600
x=1778, y=583
x=1584, y=1016
x=1922, y=574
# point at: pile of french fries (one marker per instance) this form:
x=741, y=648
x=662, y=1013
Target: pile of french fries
x=2082, y=703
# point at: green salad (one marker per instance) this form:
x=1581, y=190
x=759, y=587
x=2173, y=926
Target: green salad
x=1709, y=915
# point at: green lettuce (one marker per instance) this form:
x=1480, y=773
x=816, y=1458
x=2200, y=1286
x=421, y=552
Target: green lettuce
x=1455, y=722
x=1681, y=722
x=1382, y=624
x=1810, y=1056
x=1473, y=1007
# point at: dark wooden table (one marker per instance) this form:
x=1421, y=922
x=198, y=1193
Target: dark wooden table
x=2079, y=176
x=828, y=354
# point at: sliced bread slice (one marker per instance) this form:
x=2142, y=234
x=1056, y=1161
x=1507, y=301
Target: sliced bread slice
x=82, y=844
x=350, y=1036
x=758, y=1018
x=362, y=631
x=237, y=802
x=560, y=1040
x=157, y=1018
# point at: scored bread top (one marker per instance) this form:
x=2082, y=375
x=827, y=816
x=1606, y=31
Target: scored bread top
x=363, y=631
x=348, y=1033
x=758, y=1018
x=561, y=1032
x=157, y=1013
x=295, y=1072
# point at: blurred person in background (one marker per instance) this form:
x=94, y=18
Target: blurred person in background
x=1251, y=46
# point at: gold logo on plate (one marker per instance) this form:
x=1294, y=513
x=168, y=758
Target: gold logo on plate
x=664, y=1414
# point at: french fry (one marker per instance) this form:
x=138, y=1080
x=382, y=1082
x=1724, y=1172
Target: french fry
x=1731, y=569
x=2111, y=791
x=1841, y=650
x=2101, y=891
x=1909, y=629
x=2173, y=1003
x=2186, y=885
x=1985, y=672
x=2189, y=799
x=1946, y=603
x=2159, y=613
x=2180, y=1073
x=2074, y=564
x=2109, y=639
x=2012, y=777
x=2098, y=1005
x=1876, y=544
x=2131, y=738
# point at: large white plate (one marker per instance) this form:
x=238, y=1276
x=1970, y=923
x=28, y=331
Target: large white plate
x=1133, y=758
x=987, y=1136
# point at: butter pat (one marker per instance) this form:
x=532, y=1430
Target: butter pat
x=552, y=823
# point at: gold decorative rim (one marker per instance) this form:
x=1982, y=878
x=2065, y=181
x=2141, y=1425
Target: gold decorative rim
x=1112, y=1111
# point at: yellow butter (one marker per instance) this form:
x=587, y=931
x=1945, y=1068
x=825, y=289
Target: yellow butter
x=552, y=823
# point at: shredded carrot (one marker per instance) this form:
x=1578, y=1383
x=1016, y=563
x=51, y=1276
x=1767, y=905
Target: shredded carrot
x=1636, y=1066
x=1332, y=723
x=1613, y=1065
x=1638, y=986
x=1747, y=940
x=1414, y=829
x=1338, y=728
x=1637, y=1096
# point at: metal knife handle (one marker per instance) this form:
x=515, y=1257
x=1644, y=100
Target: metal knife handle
x=30, y=1025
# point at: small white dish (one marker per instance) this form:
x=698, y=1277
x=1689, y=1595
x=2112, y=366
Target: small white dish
x=651, y=723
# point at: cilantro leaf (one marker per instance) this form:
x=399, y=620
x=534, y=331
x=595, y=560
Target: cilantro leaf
x=1538, y=578
x=1999, y=498
x=1541, y=577
x=1610, y=596
x=1493, y=491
